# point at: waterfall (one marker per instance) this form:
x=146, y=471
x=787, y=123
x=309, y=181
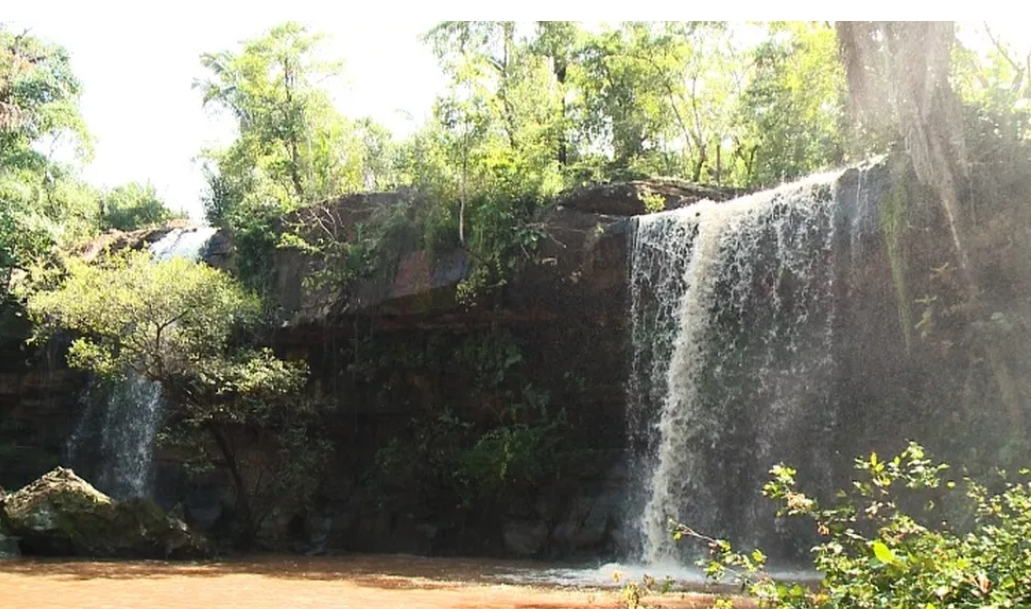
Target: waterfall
x=118, y=426
x=733, y=310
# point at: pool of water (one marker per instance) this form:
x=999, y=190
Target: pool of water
x=280, y=582
x=615, y=575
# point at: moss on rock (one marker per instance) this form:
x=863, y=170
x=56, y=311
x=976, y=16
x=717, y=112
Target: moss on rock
x=61, y=514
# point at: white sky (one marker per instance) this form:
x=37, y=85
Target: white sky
x=137, y=74
x=138, y=60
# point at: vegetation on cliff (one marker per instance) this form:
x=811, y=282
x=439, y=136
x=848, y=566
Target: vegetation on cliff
x=43, y=201
x=530, y=110
x=179, y=322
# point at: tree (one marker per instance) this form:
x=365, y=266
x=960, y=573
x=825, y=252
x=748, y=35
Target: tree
x=492, y=152
x=41, y=202
x=502, y=118
x=793, y=108
x=176, y=322
x=293, y=146
x=660, y=97
x=132, y=206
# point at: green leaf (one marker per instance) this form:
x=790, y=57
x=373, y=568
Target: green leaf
x=883, y=553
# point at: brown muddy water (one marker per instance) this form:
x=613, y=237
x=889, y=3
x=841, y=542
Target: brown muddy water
x=301, y=583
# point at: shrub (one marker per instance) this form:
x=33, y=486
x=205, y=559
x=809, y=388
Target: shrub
x=877, y=551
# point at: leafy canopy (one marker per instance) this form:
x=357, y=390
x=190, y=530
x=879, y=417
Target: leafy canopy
x=39, y=199
x=132, y=206
x=169, y=320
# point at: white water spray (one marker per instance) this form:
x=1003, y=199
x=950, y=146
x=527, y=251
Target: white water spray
x=733, y=314
x=131, y=415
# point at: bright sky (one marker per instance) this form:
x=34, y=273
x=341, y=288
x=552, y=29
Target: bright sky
x=137, y=71
x=137, y=62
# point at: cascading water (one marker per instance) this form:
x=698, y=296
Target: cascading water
x=118, y=432
x=733, y=311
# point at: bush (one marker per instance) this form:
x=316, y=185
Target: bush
x=132, y=206
x=877, y=550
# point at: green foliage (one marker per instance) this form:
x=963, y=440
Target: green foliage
x=41, y=202
x=488, y=439
x=995, y=89
x=132, y=206
x=38, y=98
x=653, y=202
x=658, y=94
x=793, y=109
x=877, y=552
x=158, y=318
x=176, y=322
x=293, y=148
x=509, y=460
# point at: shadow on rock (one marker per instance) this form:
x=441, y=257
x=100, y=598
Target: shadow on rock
x=61, y=514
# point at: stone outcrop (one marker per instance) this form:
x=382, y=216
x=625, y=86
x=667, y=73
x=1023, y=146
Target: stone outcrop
x=61, y=514
x=39, y=406
x=568, y=301
x=629, y=198
x=115, y=240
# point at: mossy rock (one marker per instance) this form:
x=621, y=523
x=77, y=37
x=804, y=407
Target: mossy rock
x=63, y=515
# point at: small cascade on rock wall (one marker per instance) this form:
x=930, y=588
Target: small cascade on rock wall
x=733, y=311
x=117, y=432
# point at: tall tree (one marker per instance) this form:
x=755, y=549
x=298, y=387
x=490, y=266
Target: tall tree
x=792, y=109
x=500, y=123
x=660, y=96
x=41, y=201
x=293, y=146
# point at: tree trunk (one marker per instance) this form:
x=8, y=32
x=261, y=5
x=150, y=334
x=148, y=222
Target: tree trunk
x=560, y=77
x=244, y=518
x=295, y=155
x=904, y=67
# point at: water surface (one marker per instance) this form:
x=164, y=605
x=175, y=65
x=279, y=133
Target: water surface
x=279, y=582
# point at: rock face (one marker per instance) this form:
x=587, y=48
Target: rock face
x=568, y=301
x=61, y=514
x=39, y=407
x=629, y=198
x=8, y=545
x=566, y=310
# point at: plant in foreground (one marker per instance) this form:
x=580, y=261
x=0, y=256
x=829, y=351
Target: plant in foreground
x=888, y=542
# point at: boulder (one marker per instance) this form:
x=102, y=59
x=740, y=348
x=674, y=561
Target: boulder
x=524, y=537
x=61, y=514
x=9, y=547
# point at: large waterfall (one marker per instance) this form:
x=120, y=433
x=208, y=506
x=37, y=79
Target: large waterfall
x=116, y=432
x=734, y=308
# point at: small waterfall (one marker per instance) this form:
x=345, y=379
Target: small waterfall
x=733, y=311
x=117, y=429
x=130, y=423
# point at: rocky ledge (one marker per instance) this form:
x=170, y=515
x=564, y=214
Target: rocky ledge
x=61, y=514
